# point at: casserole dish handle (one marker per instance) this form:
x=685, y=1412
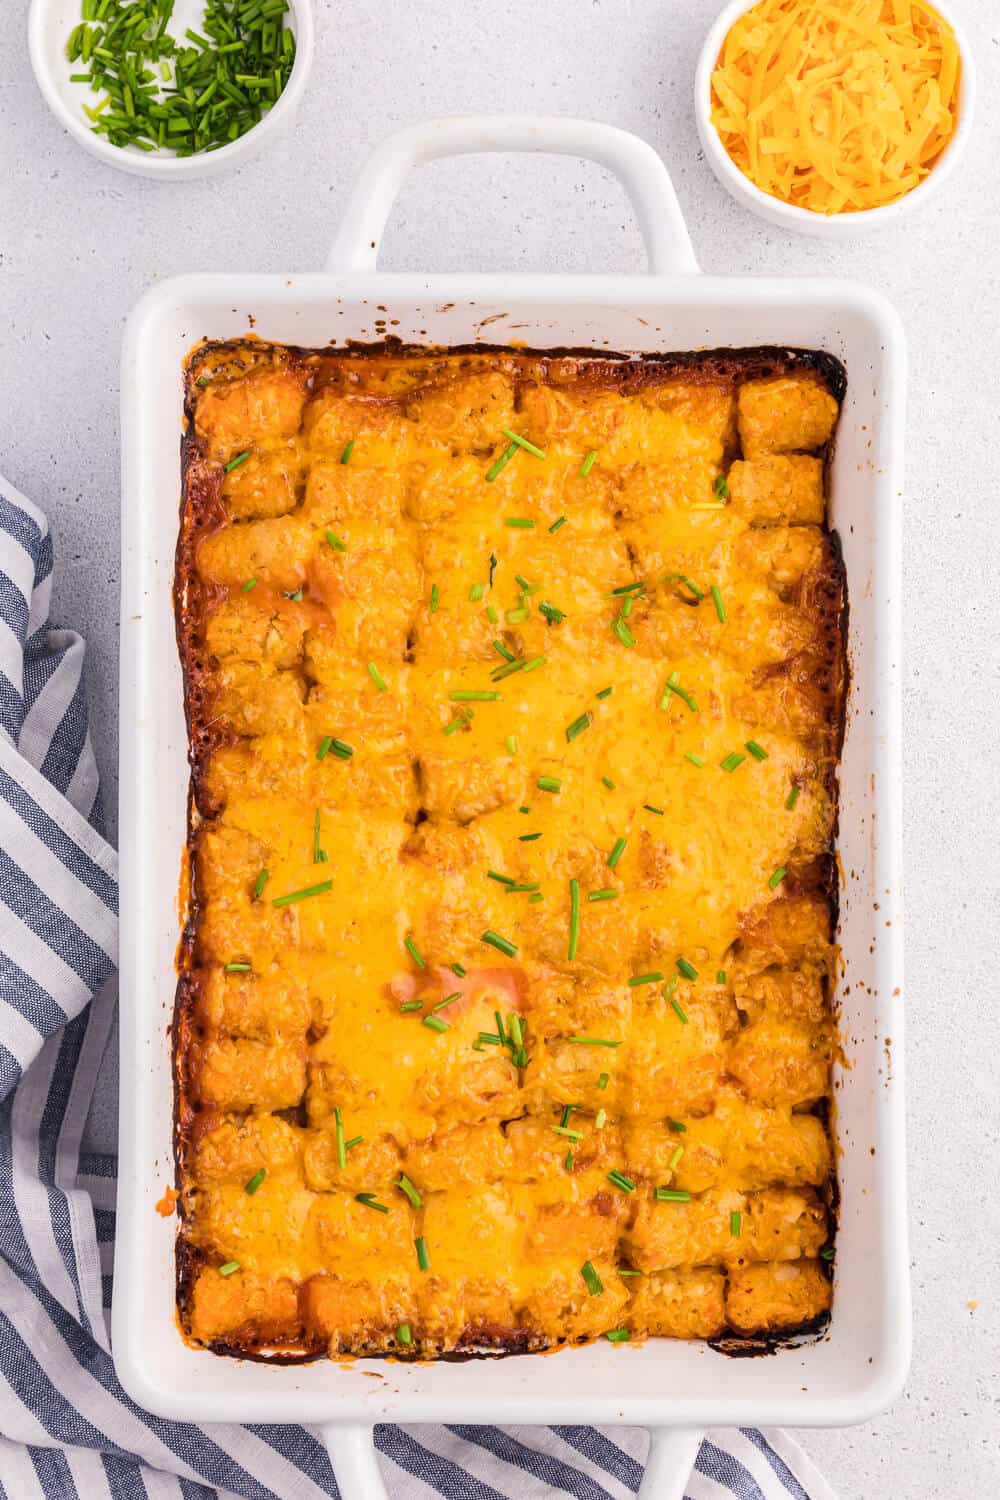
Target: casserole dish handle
x=672, y=1452
x=633, y=161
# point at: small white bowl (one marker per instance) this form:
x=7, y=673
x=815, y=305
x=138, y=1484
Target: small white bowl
x=49, y=25
x=840, y=226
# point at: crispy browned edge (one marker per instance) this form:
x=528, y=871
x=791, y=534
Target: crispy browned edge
x=201, y=511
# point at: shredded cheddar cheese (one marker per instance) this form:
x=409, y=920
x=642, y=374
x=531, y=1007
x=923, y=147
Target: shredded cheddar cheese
x=837, y=105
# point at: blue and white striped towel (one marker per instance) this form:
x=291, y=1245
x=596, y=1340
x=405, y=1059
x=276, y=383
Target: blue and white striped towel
x=67, y=1429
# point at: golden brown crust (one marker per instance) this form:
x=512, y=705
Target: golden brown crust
x=324, y=493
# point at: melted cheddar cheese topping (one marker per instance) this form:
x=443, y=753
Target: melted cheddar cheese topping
x=503, y=1017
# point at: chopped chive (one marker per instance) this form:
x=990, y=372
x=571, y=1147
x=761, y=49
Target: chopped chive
x=571, y=1135
x=250, y=584
x=255, y=1181
x=499, y=647
x=594, y=1284
x=319, y=853
x=456, y=723
x=627, y=1271
x=535, y=663
x=606, y=781
x=574, y=919
x=622, y=631
x=238, y=969
x=732, y=760
x=757, y=751
x=345, y=457
x=457, y=970
x=354, y=1141
x=368, y=1199
x=476, y=592
x=304, y=894
x=550, y=613
x=414, y=953
x=617, y=1335
x=377, y=678
x=404, y=1335
x=296, y=597
x=435, y=596
x=516, y=1029
x=490, y=1038
x=679, y=1010
x=720, y=608
x=605, y=692
x=676, y=1125
x=621, y=1181
x=499, y=674
x=341, y=1147
x=549, y=784
x=423, y=1260
x=777, y=877
x=607, y=894
x=720, y=977
x=673, y=686
x=464, y=695
x=793, y=797
x=735, y=1223
x=229, y=1268
x=408, y=1005
x=686, y=582
x=827, y=1253
x=261, y=882
x=493, y=567
x=334, y=540
x=578, y=726
x=556, y=524
x=616, y=853
x=519, y=523
x=522, y=886
x=511, y=744
x=568, y=1161
x=448, y=1000
x=672, y=1195
x=503, y=879
x=240, y=458
x=603, y=1080
x=675, y=1158
x=588, y=463
x=721, y=488
x=626, y=588
x=406, y=1186
x=648, y=807
x=627, y=605
x=638, y=979
x=491, y=614
x=502, y=944
x=687, y=969
x=515, y=616
x=591, y=1041
x=522, y=442
x=340, y=748
x=528, y=838
x=524, y=809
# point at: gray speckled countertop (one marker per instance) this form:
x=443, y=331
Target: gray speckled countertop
x=79, y=243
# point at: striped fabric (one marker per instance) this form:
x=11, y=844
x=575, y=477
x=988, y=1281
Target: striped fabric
x=67, y=1430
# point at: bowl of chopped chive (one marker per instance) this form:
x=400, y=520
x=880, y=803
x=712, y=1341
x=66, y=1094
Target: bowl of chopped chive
x=172, y=88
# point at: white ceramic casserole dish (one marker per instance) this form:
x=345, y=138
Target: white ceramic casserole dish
x=857, y=1367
